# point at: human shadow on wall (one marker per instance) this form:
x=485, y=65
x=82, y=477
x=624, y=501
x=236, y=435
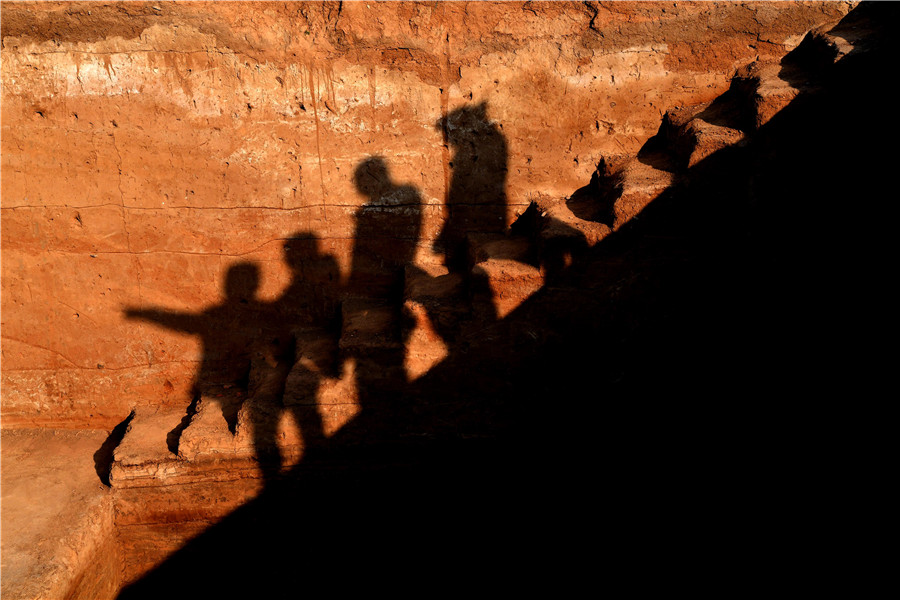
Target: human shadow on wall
x=656, y=392
x=248, y=346
x=381, y=450
x=476, y=199
x=302, y=348
x=229, y=332
x=387, y=230
x=252, y=346
x=476, y=223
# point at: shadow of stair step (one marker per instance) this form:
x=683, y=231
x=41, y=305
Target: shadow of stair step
x=691, y=133
x=823, y=47
x=369, y=324
x=764, y=90
x=144, y=447
x=704, y=139
x=504, y=284
x=486, y=246
x=435, y=306
x=207, y=434
x=437, y=283
x=638, y=184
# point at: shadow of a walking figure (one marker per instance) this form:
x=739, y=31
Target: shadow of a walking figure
x=385, y=240
x=301, y=355
x=476, y=200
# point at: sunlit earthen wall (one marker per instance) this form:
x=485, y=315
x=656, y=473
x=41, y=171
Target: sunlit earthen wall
x=148, y=146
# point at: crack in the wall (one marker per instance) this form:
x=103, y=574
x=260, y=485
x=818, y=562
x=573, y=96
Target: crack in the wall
x=140, y=287
x=144, y=51
x=78, y=312
x=594, y=13
x=190, y=253
x=61, y=206
x=212, y=208
x=77, y=367
x=445, y=111
x=314, y=93
x=45, y=349
x=181, y=252
x=121, y=191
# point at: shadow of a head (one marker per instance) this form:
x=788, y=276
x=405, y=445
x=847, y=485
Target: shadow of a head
x=242, y=282
x=371, y=177
x=461, y=123
x=301, y=247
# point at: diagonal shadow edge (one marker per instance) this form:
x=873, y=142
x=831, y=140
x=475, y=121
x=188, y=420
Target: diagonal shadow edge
x=651, y=376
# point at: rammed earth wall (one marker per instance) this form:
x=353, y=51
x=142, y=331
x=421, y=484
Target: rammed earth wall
x=146, y=147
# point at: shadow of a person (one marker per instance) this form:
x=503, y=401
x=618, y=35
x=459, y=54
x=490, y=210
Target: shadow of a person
x=387, y=232
x=476, y=199
x=475, y=212
x=386, y=237
x=228, y=332
x=287, y=372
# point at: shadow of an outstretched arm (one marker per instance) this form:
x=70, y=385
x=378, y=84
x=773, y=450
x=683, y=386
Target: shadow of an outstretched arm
x=177, y=321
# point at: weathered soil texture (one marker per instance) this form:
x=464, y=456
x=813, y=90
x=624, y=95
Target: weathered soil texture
x=148, y=148
x=59, y=539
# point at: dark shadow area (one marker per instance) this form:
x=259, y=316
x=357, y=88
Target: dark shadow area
x=595, y=201
x=103, y=457
x=387, y=232
x=302, y=325
x=668, y=400
x=726, y=111
x=654, y=154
